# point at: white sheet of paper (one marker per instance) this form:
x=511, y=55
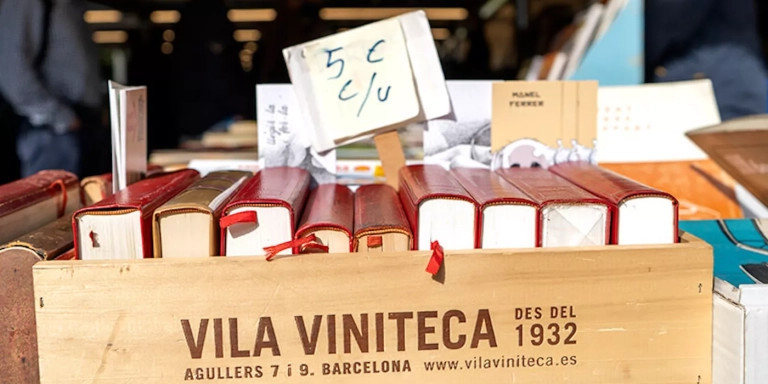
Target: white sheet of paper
x=284, y=135
x=128, y=113
x=647, y=123
x=368, y=79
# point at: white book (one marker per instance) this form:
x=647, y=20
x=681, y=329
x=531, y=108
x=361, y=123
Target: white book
x=128, y=116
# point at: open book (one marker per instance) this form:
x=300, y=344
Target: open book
x=128, y=116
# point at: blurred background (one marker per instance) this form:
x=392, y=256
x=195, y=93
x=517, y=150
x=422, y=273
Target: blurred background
x=201, y=59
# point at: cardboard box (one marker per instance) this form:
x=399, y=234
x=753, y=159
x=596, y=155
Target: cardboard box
x=612, y=314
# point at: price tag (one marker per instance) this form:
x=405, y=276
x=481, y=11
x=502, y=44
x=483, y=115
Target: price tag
x=368, y=80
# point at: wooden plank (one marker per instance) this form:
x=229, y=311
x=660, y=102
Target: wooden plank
x=622, y=314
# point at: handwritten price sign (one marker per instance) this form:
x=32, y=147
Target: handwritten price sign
x=368, y=80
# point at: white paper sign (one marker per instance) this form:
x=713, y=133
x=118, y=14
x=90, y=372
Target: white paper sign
x=369, y=79
x=284, y=135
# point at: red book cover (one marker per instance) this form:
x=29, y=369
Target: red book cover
x=420, y=184
x=29, y=203
x=616, y=189
x=378, y=213
x=489, y=189
x=145, y=196
x=285, y=187
x=330, y=207
x=551, y=192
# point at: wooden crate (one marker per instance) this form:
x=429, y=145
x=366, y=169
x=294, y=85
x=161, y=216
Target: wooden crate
x=614, y=314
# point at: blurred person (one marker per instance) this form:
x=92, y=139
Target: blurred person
x=715, y=39
x=49, y=74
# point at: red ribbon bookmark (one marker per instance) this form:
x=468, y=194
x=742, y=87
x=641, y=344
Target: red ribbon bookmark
x=63, y=207
x=375, y=241
x=436, y=261
x=240, y=217
x=275, y=249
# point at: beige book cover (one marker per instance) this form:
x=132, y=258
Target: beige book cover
x=187, y=225
x=546, y=111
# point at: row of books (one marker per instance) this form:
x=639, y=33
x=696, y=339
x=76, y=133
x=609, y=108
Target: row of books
x=275, y=212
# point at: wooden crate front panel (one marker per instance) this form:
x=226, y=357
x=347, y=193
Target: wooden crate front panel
x=603, y=314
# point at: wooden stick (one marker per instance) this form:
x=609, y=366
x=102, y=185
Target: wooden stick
x=391, y=154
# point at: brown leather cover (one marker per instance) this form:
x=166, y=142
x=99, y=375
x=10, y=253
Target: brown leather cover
x=47, y=242
x=419, y=183
x=18, y=334
x=489, y=188
x=280, y=186
x=545, y=188
x=198, y=197
x=329, y=207
x=144, y=195
x=28, y=193
x=612, y=187
x=378, y=210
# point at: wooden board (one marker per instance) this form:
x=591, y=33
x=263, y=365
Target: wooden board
x=18, y=340
x=615, y=314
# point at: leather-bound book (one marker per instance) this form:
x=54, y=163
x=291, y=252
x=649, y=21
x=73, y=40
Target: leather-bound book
x=48, y=242
x=264, y=212
x=328, y=215
x=506, y=216
x=639, y=214
x=120, y=226
x=380, y=222
x=568, y=215
x=438, y=207
x=29, y=203
x=188, y=224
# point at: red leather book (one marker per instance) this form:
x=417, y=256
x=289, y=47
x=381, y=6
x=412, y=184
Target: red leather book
x=98, y=187
x=568, y=215
x=120, y=226
x=380, y=222
x=264, y=211
x=328, y=214
x=506, y=216
x=36, y=200
x=438, y=208
x=639, y=214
